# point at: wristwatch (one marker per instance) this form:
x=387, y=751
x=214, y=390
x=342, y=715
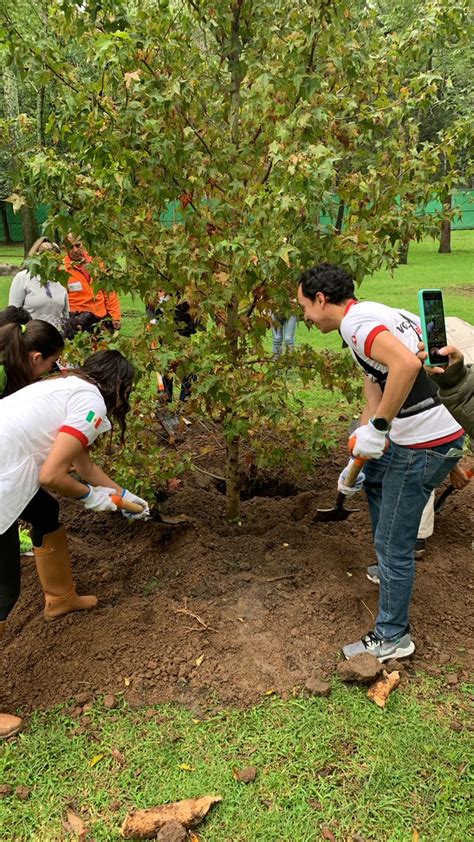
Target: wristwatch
x=380, y=424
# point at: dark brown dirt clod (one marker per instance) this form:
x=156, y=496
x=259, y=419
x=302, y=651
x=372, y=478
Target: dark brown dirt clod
x=5, y=790
x=246, y=775
x=362, y=668
x=317, y=687
x=172, y=832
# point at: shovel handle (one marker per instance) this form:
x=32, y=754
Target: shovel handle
x=354, y=470
x=126, y=504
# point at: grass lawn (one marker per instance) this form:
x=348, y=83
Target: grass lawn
x=337, y=763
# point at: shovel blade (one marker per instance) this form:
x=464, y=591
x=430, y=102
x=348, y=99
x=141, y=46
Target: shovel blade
x=335, y=514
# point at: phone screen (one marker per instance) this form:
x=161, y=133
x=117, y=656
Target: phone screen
x=433, y=311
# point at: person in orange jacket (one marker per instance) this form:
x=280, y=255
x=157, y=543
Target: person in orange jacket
x=87, y=305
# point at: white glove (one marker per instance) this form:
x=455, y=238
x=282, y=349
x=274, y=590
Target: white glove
x=99, y=499
x=132, y=498
x=350, y=490
x=369, y=442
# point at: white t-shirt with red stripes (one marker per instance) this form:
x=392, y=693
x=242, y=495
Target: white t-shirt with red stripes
x=30, y=421
x=362, y=322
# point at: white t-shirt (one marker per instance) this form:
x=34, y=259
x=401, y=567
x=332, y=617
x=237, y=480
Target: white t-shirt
x=30, y=420
x=362, y=322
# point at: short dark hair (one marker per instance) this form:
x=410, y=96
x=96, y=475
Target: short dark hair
x=333, y=281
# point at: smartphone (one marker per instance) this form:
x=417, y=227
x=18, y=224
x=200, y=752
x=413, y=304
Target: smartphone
x=433, y=325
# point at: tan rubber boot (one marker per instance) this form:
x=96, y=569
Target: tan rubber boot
x=9, y=725
x=53, y=564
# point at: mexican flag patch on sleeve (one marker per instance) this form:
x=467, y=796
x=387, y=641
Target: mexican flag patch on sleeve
x=94, y=419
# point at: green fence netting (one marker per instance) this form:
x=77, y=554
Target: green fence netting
x=463, y=202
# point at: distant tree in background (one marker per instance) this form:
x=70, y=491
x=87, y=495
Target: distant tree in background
x=13, y=149
x=450, y=60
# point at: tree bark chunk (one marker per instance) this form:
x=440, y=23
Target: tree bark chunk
x=145, y=824
x=380, y=691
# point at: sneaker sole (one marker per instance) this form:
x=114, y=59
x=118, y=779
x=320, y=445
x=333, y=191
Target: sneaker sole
x=399, y=653
x=373, y=579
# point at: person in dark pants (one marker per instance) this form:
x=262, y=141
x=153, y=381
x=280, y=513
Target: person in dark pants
x=186, y=326
x=45, y=428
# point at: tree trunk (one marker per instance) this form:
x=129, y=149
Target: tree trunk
x=6, y=228
x=340, y=217
x=232, y=323
x=232, y=441
x=30, y=227
x=403, y=252
x=12, y=112
x=40, y=115
x=235, y=72
x=445, y=235
x=232, y=479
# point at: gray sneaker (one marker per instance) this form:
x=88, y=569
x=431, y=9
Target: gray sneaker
x=373, y=574
x=401, y=647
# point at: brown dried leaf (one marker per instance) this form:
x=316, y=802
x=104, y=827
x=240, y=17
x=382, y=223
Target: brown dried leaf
x=174, y=483
x=74, y=824
x=133, y=76
x=380, y=691
x=145, y=824
x=328, y=834
x=118, y=756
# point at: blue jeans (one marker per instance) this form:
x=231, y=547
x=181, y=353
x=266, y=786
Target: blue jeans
x=284, y=332
x=398, y=486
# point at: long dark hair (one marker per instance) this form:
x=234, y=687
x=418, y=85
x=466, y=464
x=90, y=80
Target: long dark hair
x=17, y=342
x=113, y=375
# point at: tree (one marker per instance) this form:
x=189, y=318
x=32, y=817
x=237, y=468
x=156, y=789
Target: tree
x=245, y=118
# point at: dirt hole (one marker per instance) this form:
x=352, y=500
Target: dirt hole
x=262, y=487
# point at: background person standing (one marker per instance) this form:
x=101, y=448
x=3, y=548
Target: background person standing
x=88, y=306
x=283, y=330
x=47, y=301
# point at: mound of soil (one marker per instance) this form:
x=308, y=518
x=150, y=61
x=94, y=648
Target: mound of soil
x=208, y=613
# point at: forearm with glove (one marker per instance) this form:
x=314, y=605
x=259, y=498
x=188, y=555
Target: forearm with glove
x=99, y=499
x=102, y=499
x=370, y=440
x=357, y=485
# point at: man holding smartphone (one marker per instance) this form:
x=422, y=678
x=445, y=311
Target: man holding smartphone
x=410, y=440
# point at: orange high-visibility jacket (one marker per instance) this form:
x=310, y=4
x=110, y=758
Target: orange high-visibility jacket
x=83, y=298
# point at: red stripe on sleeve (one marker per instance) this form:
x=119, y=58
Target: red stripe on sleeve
x=370, y=339
x=76, y=433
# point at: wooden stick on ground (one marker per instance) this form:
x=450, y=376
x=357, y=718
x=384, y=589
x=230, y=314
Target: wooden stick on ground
x=185, y=610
